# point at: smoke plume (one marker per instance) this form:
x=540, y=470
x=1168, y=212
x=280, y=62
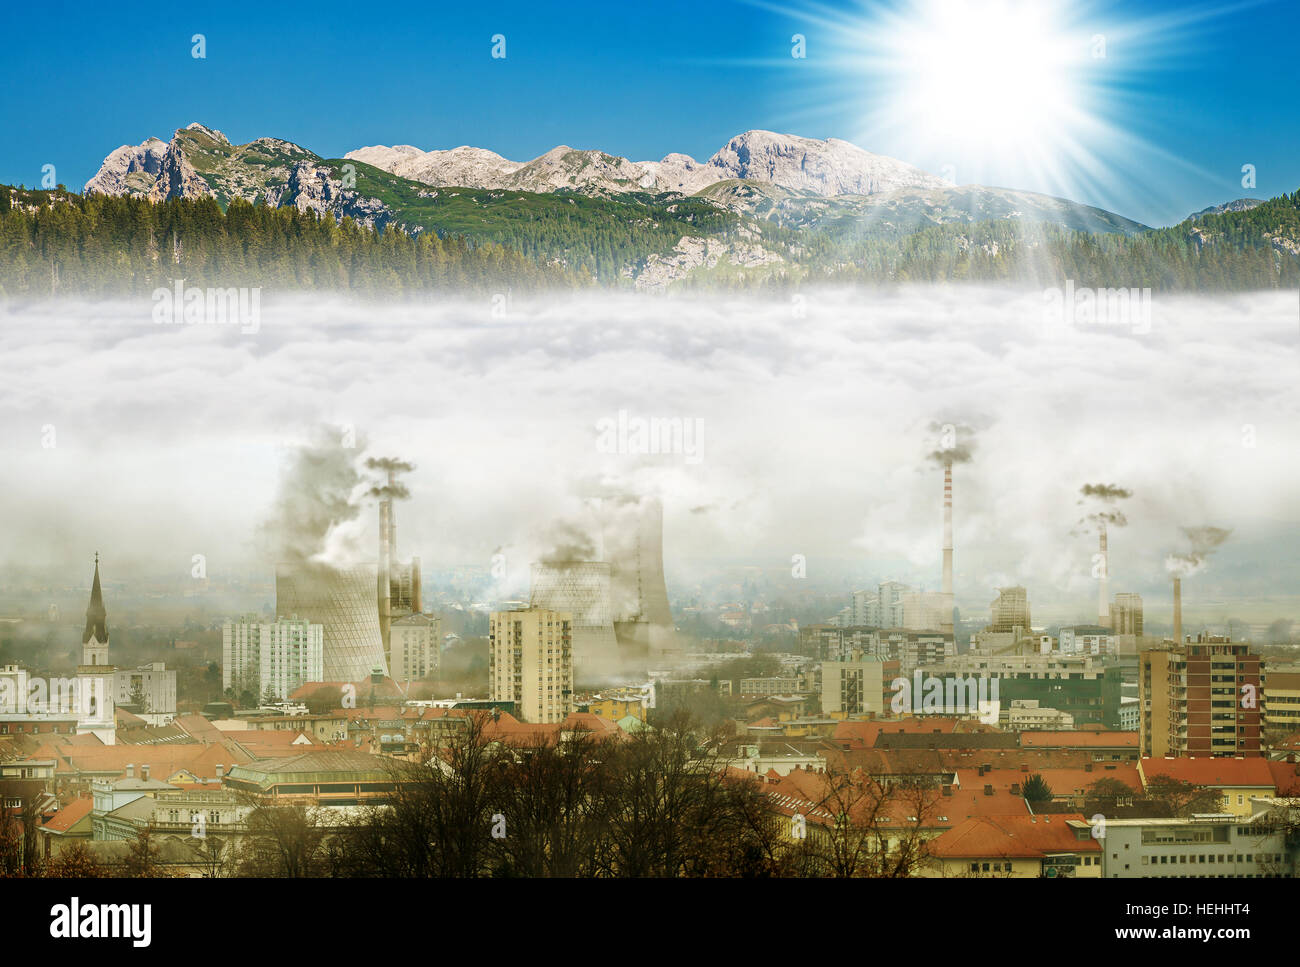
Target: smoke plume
x=956, y=443
x=310, y=522
x=394, y=490
x=1204, y=542
x=568, y=542
x=1105, y=494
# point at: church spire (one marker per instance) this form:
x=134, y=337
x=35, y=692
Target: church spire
x=96, y=616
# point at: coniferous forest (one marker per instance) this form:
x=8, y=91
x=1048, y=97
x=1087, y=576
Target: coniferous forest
x=58, y=243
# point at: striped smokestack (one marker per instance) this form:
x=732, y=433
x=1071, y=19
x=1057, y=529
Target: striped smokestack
x=386, y=534
x=947, y=545
x=947, y=527
x=1103, y=585
x=1178, y=610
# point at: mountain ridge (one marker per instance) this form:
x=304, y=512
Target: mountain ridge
x=786, y=203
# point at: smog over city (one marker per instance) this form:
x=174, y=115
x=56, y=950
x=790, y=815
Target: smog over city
x=895, y=481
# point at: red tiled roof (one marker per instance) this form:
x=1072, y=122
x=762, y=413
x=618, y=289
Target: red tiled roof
x=1012, y=837
x=125, y=719
x=70, y=815
x=1210, y=770
x=588, y=722
x=1286, y=777
x=163, y=760
x=1062, y=782
x=198, y=726
x=1078, y=740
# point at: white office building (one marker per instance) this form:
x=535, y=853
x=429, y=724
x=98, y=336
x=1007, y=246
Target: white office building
x=151, y=688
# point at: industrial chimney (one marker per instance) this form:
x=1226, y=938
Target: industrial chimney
x=1178, y=610
x=947, y=542
x=1103, y=585
x=386, y=534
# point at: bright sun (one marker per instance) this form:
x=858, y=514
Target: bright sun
x=994, y=72
x=987, y=70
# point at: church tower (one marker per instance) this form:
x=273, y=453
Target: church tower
x=95, y=676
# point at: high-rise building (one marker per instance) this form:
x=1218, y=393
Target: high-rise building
x=415, y=649
x=1126, y=614
x=581, y=589
x=1199, y=699
x=890, y=602
x=833, y=642
x=1281, y=698
x=342, y=601
x=864, y=612
x=1010, y=610
x=275, y=657
x=530, y=663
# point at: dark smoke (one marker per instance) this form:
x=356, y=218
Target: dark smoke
x=962, y=449
x=1107, y=492
x=1205, y=541
x=389, y=463
x=568, y=543
x=394, y=490
x=315, y=498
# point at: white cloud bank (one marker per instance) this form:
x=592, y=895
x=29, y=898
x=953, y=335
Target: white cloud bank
x=169, y=440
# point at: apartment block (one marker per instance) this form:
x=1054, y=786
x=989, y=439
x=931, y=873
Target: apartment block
x=1126, y=614
x=1200, y=699
x=276, y=657
x=530, y=662
x=415, y=647
x=1281, y=699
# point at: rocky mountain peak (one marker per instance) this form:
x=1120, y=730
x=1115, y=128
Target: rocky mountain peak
x=212, y=133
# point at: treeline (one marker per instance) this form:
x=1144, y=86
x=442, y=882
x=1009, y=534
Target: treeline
x=59, y=243
x=1233, y=251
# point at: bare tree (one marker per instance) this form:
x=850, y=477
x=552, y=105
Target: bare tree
x=76, y=861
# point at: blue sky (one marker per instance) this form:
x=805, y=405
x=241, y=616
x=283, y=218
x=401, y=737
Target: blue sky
x=1187, y=100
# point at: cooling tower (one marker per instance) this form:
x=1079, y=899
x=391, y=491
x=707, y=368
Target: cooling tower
x=581, y=589
x=343, y=601
x=632, y=538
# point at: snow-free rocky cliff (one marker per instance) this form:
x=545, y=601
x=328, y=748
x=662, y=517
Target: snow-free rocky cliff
x=755, y=188
x=827, y=168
